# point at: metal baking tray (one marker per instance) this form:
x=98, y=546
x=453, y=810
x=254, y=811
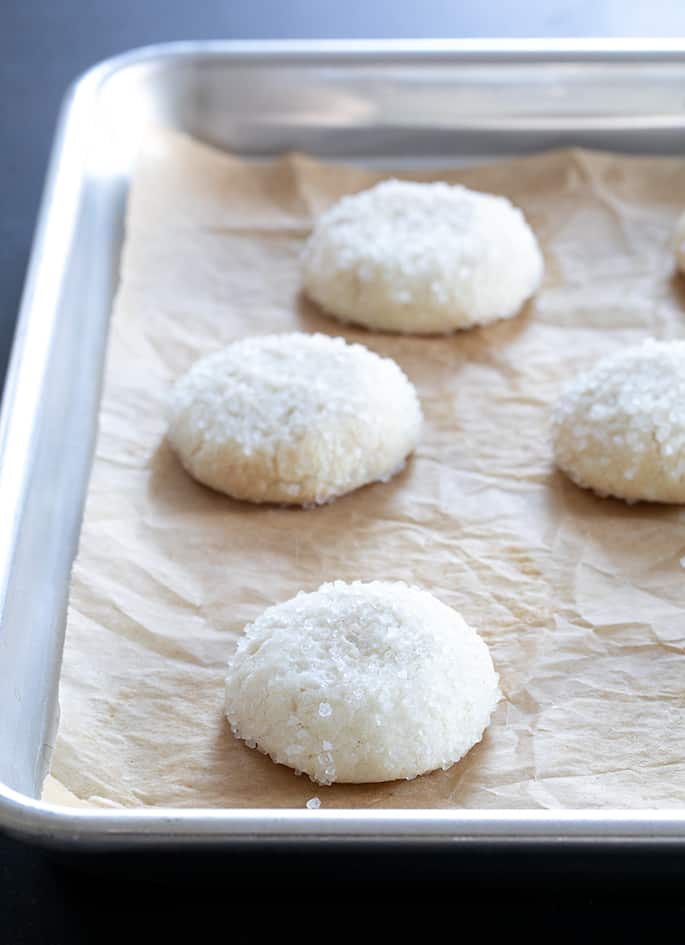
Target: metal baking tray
x=391, y=102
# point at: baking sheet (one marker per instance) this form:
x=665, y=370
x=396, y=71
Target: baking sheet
x=580, y=599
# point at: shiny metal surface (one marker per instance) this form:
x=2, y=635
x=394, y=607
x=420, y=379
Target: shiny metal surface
x=397, y=103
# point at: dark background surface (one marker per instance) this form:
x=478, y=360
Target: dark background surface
x=44, y=45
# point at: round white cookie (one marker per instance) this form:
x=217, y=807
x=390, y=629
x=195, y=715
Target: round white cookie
x=619, y=428
x=296, y=419
x=421, y=258
x=361, y=682
x=679, y=242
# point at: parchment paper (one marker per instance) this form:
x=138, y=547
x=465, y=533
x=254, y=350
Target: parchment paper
x=580, y=599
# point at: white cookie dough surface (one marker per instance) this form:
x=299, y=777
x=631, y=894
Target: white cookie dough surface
x=361, y=682
x=294, y=419
x=422, y=258
x=619, y=428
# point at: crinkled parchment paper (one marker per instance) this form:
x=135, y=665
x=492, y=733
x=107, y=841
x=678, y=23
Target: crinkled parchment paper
x=581, y=600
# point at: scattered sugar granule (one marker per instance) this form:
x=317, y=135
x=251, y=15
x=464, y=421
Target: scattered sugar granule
x=314, y=803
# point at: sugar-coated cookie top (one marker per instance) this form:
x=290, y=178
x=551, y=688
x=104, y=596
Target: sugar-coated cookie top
x=421, y=257
x=293, y=418
x=619, y=428
x=361, y=682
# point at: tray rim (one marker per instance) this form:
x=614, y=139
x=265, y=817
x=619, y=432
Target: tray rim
x=57, y=825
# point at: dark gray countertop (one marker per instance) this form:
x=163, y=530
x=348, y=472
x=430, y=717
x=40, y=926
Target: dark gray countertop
x=44, y=44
